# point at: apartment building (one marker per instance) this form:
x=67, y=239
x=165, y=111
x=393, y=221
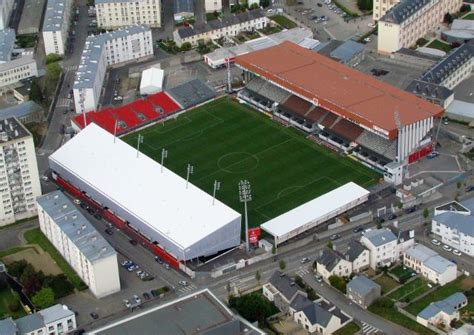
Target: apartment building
x=453, y=224
x=54, y=320
x=19, y=179
x=429, y=264
x=282, y=291
x=230, y=25
x=130, y=43
x=121, y=13
x=57, y=19
x=406, y=22
x=15, y=70
x=81, y=245
x=6, y=7
x=7, y=43
x=380, y=7
x=363, y=291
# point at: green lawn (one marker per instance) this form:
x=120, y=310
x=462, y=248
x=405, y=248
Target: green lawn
x=411, y=290
x=402, y=273
x=469, y=17
x=387, y=283
x=437, y=44
x=6, y=297
x=349, y=329
x=439, y=294
x=284, y=21
x=227, y=141
x=35, y=236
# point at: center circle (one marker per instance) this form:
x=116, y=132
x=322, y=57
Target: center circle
x=238, y=162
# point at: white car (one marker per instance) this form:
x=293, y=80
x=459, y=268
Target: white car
x=435, y=242
x=137, y=299
x=183, y=283
x=127, y=303
x=367, y=39
x=305, y=260
x=318, y=278
x=457, y=252
x=447, y=248
x=371, y=25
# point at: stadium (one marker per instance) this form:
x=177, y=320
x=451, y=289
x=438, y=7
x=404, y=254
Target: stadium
x=378, y=124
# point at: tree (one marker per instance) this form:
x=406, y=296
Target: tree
x=329, y=244
x=14, y=306
x=253, y=306
x=299, y=281
x=60, y=285
x=426, y=213
x=53, y=71
x=186, y=46
x=458, y=185
x=274, y=250
x=51, y=58
x=400, y=205
x=465, y=8
x=311, y=294
x=448, y=18
x=364, y=4
x=44, y=298
x=16, y=268
x=254, y=6
x=282, y=265
x=258, y=276
x=35, y=92
x=338, y=283
x=264, y=3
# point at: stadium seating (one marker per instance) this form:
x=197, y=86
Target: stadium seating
x=378, y=144
x=267, y=90
x=347, y=129
x=296, y=106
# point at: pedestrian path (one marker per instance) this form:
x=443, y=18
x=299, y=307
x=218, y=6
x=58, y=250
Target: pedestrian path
x=63, y=102
x=303, y=271
x=71, y=68
x=368, y=329
x=186, y=289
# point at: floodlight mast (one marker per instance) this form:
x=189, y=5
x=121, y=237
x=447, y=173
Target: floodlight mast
x=139, y=140
x=164, y=154
x=190, y=171
x=217, y=187
x=245, y=195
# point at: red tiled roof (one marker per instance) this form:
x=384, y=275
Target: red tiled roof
x=338, y=88
x=347, y=129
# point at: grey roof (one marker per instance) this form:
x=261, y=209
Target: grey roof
x=317, y=315
x=7, y=42
x=459, y=222
x=380, y=237
x=8, y=327
x=191, y=93
x=21, y=110
x=444, y=68
x=347, y=50
x=17, y=62
x=329, y=258
x=55, y=313
x=439, y=264
x=404, y=10
x=75, y=226
x=403, y=235
x=469, y=204
x=326, y=48
x=429, y=91
x=300, y=302
x=448, y=305
x=54, y=14
x=183, y=6
x=284, y=284
x=92, y=54
x=29, y=323
x=355, y=248
x=420, y=252
x=12, y=129
x=220, y=23
x=362, y=285
x=466, y=329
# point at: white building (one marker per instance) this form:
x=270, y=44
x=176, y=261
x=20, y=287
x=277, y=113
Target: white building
x=406, y=22
x=442, y=313
x=330, y=263
x=213, y=5
x=81, y=245
x=453, y=224
x=380, y=7
x=430, y=265
x=15, y=70
x=19, y=179
x=127, y=44
x=54, y=320
x=225, y=26
x=152, y=81
x=6, y=7
x=315, y=319
x=121, y=13
x=57, y=18
x=174, y=216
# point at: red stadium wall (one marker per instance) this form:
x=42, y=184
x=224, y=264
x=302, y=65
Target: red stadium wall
x=420, y=154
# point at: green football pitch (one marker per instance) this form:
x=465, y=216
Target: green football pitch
x=227, y=141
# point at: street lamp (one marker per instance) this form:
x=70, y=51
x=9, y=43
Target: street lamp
x=245, y=195
x=164, y=154
x=217, y=187
x=139, y=140
x=189, y=172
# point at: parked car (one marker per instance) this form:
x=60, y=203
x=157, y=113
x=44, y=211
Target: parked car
x=133, y=242
x=447, y=248
x=158, y=260
x=358, y=229
x=77, y=201
x=305, y=260
x=392, y=216
x=469, y=188
x=435, y=242
x=132, y=267
x=126, y=263
x=410, y=210
x=127, y=303
x=334, y=237
x=318, y=278
x=137, y=299
x=183, y=283
x=94, y=315
x=432, y=155
x=98, y=217
x=146, y=296
x=167, y=266
x=118, y=98
x=109, y=231
x=457, y=252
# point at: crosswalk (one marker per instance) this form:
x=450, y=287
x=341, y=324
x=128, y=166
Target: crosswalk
x=71, y=68
x=242, y=284
x=186, y=289
x=303, y=271
x=63, y=102
x=368, y=329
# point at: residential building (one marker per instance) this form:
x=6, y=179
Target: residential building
x=380, y=7
x=441, y=313
x=54, y=320
x=26, y=112
x=7, y=43
x=120, y=13
x=199, y=313
x=406, y=22
x=57, y=18
x=453, y=224
x=81, y=245
x=226, y=26
x=358, y=255
x=282, y=291
x=466, y=329
x=127, y=44
x=430, y=265
x=382, y=245
x=6, y=7
x=332, y=263
x=15, y=70
x=363, y=291
x=405, y=238
x=19, y=179
x=315, y=319
x=213, y=6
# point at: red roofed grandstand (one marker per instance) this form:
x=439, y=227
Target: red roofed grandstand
x=131, y=116
x=374, y=122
